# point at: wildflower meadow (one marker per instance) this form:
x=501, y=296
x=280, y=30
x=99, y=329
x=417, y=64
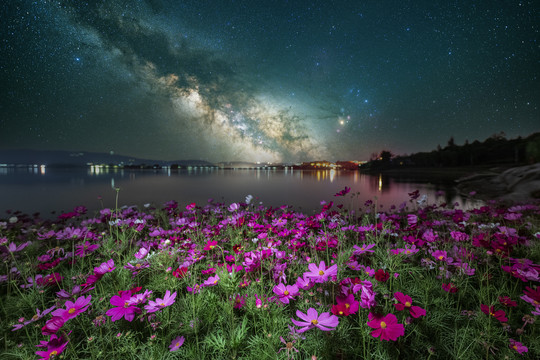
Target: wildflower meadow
x=245, y=281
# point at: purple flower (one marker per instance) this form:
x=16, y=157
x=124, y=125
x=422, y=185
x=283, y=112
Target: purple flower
x=320, y=273
x=159, y=304
x=122, y=309
x=311, y=319
x=73, y=308
x=53, y=325
x=105, y=267
x=176, y=343
x=211, y=281
x=54, y=346
x=84, y=249
x=359, y=250
x=285, y=292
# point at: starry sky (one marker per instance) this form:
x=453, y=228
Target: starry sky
x=277, y=81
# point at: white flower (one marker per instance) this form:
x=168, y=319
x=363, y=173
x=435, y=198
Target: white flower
x=13, y=220
x=248, y=199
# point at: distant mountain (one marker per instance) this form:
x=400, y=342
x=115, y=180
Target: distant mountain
x=82, y=158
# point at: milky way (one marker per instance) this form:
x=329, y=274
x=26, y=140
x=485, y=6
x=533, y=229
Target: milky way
x=257, y=81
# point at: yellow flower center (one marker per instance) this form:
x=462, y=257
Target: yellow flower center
x=162, y=304
x=347, y=306
x=407, y=304
x=314, y=322
x=126, y=304
x=178, y=344
x=514, y=347
x=362, y=249
x=341, y=313
x=383, y=325
x=285, y=293
x=440, y=257
x=54, y=353
x=71, y=311
x=35, y=317
x=138, y=265
x=321, y=272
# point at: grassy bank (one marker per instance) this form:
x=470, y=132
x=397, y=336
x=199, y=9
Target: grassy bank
x=238, y=281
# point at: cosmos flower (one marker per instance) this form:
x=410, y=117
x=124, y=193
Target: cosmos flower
x=320, y=273
x=73, y=308
x=386, y=327
x=159, y=304
x=312, y=319
x=450, y=287
x=359, y=250
x=343, y=192
x=405, y=302
x=52, y=325
x=211, y=281
x=381, y=275
x=489, y=310
x=210, y=245
x=439, y=255
x=519, y=347
x=349, y=303
x=55, y=346
x=105, y=267
x=285, y=292
x=122, y=309
x=176, y=343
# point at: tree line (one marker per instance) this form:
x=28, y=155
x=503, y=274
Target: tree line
x=495, y=150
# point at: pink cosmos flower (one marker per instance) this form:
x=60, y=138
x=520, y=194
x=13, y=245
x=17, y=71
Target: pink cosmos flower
x=489, y=310
x=176, y=343
x=73, y=309
x=210, y=245
x=386, y=327
x=405, y=302
x=285, y=292
x=349, y=303
x=359, y=250
x=367, y=295
x=519, y=347
x=439, y=255
x=195, y=289
x=304, y=283
x=52, y=325
x=123, y=309
x=311, y=319
x=450, y=287
x=55, y=346
x=343, y=192
x=85, y=249
x=105, y=267
x=159, y=304
x=320, y=273
x=211, y=281
x=506, y=301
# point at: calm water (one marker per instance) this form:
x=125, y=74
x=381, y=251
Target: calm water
x=33, y=190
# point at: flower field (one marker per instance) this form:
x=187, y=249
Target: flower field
x=243, y=281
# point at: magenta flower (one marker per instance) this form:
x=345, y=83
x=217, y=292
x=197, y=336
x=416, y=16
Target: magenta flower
x=519, y=347
x=159, y=304
x=439, y=255
x=85, y=249
x=405, y=302
x=320, y=273
x=349, y=303
x=359, y=250
x=211, y=281
x=285, y=292
x=176, y=343
x=123, y=309
x=489, y=310
x=210, y=245
x=367, y=295
x=52, y=325
x=105, y=267
x=304, y=283
x=386, y=327
x=73, y=308
x=311, y=319
x=55, y=346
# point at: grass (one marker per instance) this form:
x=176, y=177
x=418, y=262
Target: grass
x=490, y=259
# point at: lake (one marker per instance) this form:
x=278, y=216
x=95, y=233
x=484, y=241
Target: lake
x=45, y=190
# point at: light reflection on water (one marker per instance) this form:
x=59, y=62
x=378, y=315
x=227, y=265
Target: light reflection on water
x=39, y=190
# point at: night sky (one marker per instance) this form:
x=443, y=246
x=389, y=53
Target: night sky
x=279, y=81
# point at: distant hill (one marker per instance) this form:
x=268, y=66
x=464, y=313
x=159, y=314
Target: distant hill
x=52, y=158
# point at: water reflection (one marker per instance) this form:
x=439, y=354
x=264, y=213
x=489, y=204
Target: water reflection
x=44, y=190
